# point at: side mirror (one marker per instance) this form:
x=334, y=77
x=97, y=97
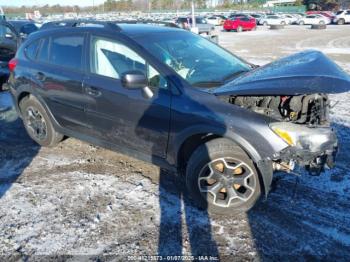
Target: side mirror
x=137, y=80
x=9, y=36
x=134, y=80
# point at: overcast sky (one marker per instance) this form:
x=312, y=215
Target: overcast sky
x=50, y=2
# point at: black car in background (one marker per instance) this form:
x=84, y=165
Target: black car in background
x=24, y=27
x=9, y=42
x=12, y=34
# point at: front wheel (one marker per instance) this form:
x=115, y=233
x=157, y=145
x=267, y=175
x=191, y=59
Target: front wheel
x=37, y=123
x=341, y=21
x=221, y=178
x=239, y=29
x=301, y=23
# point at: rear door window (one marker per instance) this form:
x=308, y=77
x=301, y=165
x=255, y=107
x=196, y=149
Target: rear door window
x=43, y=55
x=67, y=51
x=32, y=49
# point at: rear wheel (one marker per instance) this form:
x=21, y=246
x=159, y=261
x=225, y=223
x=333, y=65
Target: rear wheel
x=321, y=22
x=283, y=23
x=222, y=178
x=38, y=123
x=301, y=23
x=265, y=23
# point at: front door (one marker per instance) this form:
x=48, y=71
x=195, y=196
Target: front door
x=121, y=116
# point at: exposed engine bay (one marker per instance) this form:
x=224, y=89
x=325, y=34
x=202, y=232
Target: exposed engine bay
x=312, y=110
x=302, y=112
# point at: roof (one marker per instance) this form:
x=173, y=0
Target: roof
x=129, y=28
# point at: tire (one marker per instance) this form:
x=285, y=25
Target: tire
x=32, y=111
x=239, y=29
x=321, y=22
x=341, y=21
x=220, y=151
x=265, y=23
x=301, y=23
x=283, y=23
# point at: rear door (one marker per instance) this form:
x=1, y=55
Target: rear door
x=59, y=73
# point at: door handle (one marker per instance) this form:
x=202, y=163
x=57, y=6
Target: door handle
x=40, y=76
x=92, y=91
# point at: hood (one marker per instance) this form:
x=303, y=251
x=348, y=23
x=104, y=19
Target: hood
x=307, y=72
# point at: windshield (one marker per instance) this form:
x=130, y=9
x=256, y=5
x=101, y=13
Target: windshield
x=197, y=60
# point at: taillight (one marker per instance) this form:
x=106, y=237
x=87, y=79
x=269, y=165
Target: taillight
x=12, y=64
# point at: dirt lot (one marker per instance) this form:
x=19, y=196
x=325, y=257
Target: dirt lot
x=83, y=202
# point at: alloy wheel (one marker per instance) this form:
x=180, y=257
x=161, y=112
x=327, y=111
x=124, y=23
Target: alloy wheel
x=36, y=123
x=227, y=182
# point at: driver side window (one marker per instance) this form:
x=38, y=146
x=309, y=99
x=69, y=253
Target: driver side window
x=113, y=59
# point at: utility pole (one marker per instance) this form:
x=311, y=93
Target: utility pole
x=193, y=15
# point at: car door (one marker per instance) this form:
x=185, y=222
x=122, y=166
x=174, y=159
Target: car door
x=59, y=73
x=121, y=116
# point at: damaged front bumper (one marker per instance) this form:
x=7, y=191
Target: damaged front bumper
x=314, y=148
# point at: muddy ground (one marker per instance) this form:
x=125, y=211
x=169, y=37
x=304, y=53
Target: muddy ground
x=78, y=201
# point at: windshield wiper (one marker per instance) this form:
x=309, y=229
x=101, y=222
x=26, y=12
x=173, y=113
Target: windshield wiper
x=233, y=75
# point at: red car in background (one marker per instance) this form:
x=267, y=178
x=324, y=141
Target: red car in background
x=328, y=14
x=240, y=23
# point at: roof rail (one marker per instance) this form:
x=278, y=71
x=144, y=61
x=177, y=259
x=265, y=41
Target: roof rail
x=81, y=23
x=147, y=21
x=112, y=25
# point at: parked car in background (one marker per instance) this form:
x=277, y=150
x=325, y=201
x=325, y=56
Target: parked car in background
x=257, y=17
x=215, y=20
x=273, y=20
x=240, y=23
x=314, y=20
x=201, y=23
x=342, y=17
x=290, y=19
x=330, y=15
x=9, y=42
x=24, y=27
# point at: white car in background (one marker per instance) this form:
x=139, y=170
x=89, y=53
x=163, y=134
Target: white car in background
x=273, y=20
x=214, y=20
x=314, y=20
x=290, y=19
x=342, y=17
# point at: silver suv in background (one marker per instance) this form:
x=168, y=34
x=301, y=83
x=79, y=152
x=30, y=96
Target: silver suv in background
x=201, y=23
